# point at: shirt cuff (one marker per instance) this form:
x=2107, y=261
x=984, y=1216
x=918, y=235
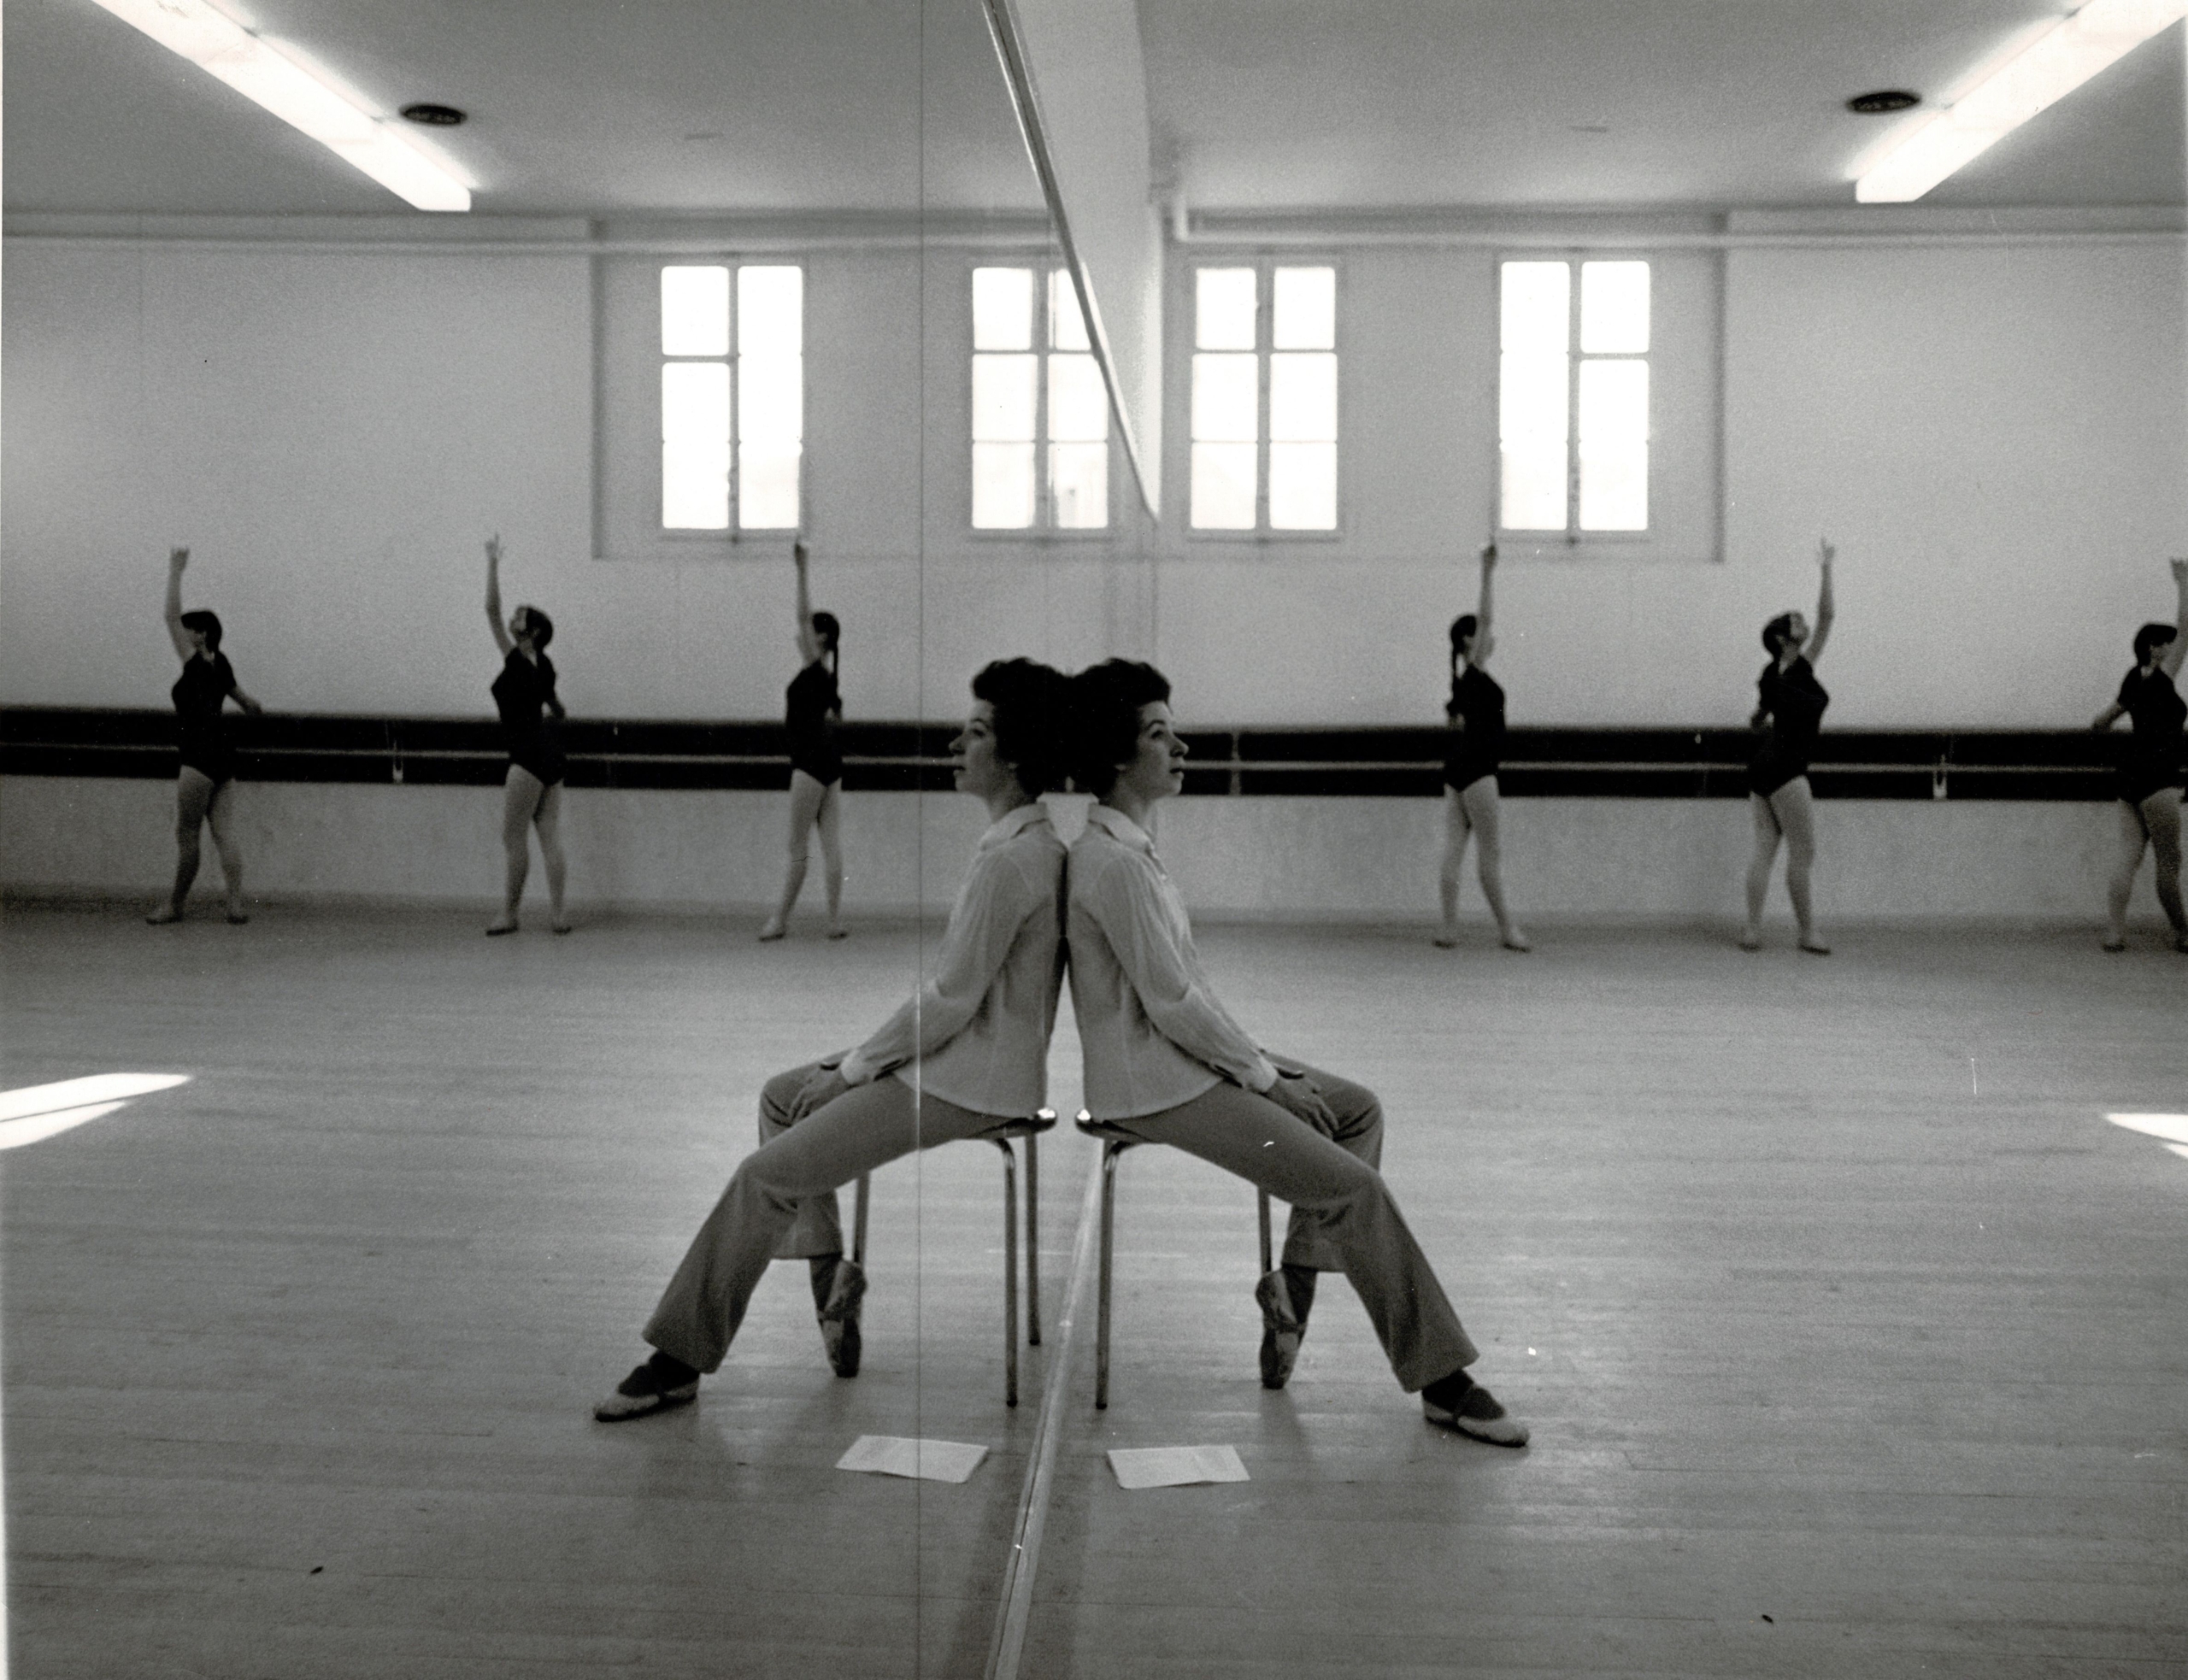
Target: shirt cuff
x=856, y=1070
x=1261, y=1076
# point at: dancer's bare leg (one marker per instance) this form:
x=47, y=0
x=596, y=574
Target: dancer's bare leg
x=1766, y=837
x=830, y=821
x=2161, y=815
x=2126, y=859
x=1486, y=810
x=220, y=814
x=193, y=796
x=547, y=818
x=521, y=793
x=1458, y=828
x=806, y=795
x=1794, y=806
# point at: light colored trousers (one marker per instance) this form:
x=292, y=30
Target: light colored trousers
x=1343, y=1216
x=781, y=1202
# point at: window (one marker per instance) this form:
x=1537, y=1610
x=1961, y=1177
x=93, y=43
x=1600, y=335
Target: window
x=716, y=360
x=1040, y=413
x=1573, y=396
x=1264, y=399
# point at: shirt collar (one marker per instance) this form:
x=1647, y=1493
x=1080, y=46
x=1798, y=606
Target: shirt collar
x=1010, y=827
x=1118, y=826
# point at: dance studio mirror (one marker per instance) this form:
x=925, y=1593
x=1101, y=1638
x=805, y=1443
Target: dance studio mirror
x=1171, y=696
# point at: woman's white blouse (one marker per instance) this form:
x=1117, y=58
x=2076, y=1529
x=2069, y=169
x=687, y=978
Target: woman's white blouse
x=977, y=1034
x=1152, y=1033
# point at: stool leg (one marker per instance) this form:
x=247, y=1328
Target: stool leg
x=1009, y=1271
x=1269, y=1254
x=1109, y=1154
x=858, y=1224
x=1032, y=1240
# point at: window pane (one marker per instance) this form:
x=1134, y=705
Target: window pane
x=1003, y=308
x=1531, y=398
x=694, y=403
x=770, y=399
x=1226, y=398
x=1302, y=401
x=695, y=487
x=1303, y=487
x=1223, y=486
x=770, y=310
x=1003, y=398
x=1067, y=326
x=1305, y=309
x=1615, y=307
x=1224, y=310
x=1530, y=492
x=1614, y=402
x=1079, y=408
x=1614, y=486
x=767, y=487
x=1079, y=486
x=1003, y=486
x=1535, y=307
x=694, y=311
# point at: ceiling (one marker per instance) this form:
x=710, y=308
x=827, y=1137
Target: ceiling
x=590, y=107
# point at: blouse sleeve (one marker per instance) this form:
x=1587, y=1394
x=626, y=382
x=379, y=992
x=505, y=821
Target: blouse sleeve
x=1123, y=901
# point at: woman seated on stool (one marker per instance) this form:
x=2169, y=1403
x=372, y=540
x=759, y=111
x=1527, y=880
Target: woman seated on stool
x=1166, y=1063
x=968, y=1054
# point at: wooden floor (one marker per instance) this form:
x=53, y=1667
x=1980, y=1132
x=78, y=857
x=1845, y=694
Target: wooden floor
x=1854, y=1339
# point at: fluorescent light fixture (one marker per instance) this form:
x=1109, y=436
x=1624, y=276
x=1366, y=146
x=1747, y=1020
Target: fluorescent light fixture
x=271, y=77
x=1922, y=152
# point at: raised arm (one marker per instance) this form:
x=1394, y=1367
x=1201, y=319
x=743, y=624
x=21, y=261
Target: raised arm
x=1485, y=612
x=176, y=559
x=808, y=644
x=1824, y=554
x=2169, y=660
x=502, y=638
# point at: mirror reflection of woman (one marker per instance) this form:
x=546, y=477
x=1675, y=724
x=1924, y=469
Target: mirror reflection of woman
x=204, y=788
x=1789, y=712
x=532, y=790
x=813, y=710
x=1474, y=715
x=2151, y=775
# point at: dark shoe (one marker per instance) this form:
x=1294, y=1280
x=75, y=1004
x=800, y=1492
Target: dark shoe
x=658, y=1385
x=1282, y=1329
x=839, y=1318
x=1459, y=1402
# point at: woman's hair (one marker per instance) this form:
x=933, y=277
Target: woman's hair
x=1028, y=698
x=1105, y=703
x=538, y=627
x=1777, y=632
x=830, y=634
x=1463, y=628
x=2152, y=635
x=207, y=624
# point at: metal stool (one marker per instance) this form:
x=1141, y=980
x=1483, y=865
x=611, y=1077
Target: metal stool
x=1115, y=1142
x=1030, y=1129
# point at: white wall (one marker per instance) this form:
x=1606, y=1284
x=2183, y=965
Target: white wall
x=1994, y=435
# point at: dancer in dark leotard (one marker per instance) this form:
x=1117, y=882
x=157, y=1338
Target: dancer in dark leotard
x=531, y=791
x=1788, y=714
x=204, y=788
x=814, y=709
x=2151, y=775
x=1475, y=714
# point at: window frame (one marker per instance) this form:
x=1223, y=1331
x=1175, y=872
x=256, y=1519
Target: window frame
x=1572, y=536
x=734, y=531
x=1043, y=265
x=1264, y=263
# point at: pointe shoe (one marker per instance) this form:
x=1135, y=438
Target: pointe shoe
x=770, y=929
x=1447, y=941
x=1750, y=939
x=496, y=930
x=1813, y=946
x=1517, y=941
x=164, y=916
x=1281, y=1329
x=838, y=931
x=561, y=926
x=1471, y=1410
x=840, y=1331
